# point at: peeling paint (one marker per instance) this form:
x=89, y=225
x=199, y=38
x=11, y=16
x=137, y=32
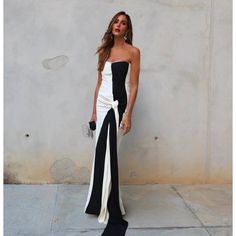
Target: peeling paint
x=55, y=62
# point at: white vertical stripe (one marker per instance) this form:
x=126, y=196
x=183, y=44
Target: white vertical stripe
x=106, y=185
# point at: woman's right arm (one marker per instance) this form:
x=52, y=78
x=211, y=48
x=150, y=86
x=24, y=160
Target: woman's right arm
x=94, y=112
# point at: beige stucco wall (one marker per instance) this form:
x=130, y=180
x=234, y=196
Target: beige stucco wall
x=181, y=125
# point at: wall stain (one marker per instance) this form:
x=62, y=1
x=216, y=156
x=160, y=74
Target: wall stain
x=132, y=174
x=66, y=171
x=86, y=131
x=10, y=175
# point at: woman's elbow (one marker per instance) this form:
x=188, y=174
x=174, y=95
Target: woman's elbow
x=134, y=86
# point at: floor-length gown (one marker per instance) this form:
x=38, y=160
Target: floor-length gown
x=104, y=195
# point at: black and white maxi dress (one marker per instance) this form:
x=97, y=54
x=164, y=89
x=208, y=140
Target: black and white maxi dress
x=104, y=195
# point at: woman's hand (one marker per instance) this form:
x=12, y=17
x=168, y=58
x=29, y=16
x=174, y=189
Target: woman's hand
x=126, y=123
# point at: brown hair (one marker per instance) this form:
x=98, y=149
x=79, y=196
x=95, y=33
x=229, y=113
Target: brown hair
x=108, y=40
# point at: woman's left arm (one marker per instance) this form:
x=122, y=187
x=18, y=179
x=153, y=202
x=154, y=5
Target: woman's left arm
x=134, y=81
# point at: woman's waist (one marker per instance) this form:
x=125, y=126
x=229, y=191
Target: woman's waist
x=107, y=101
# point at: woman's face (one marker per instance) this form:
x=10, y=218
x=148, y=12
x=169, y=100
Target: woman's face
x=120, y=26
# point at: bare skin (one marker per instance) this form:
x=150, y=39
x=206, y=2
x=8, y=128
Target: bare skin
x=122, y=51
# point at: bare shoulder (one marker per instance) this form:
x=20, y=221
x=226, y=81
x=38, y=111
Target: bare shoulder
x=134, y=53
x=133, y=49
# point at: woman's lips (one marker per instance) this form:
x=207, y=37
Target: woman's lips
x=117, y=30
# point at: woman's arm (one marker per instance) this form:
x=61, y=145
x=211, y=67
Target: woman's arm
x=94, y=112
x=134, y=81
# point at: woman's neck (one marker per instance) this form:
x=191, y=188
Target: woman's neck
x=119, y=42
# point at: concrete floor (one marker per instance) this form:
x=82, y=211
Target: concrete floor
x=151, y=210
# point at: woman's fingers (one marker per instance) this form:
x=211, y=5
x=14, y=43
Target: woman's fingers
x=125, y=125
x=126, y=129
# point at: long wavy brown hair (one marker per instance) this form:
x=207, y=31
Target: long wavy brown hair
x=108, y=40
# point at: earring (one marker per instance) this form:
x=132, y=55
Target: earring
x=125, y=37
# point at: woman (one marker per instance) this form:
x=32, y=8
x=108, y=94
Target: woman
x=114, y=99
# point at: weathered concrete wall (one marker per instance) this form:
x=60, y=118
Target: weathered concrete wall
x=181, y=127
